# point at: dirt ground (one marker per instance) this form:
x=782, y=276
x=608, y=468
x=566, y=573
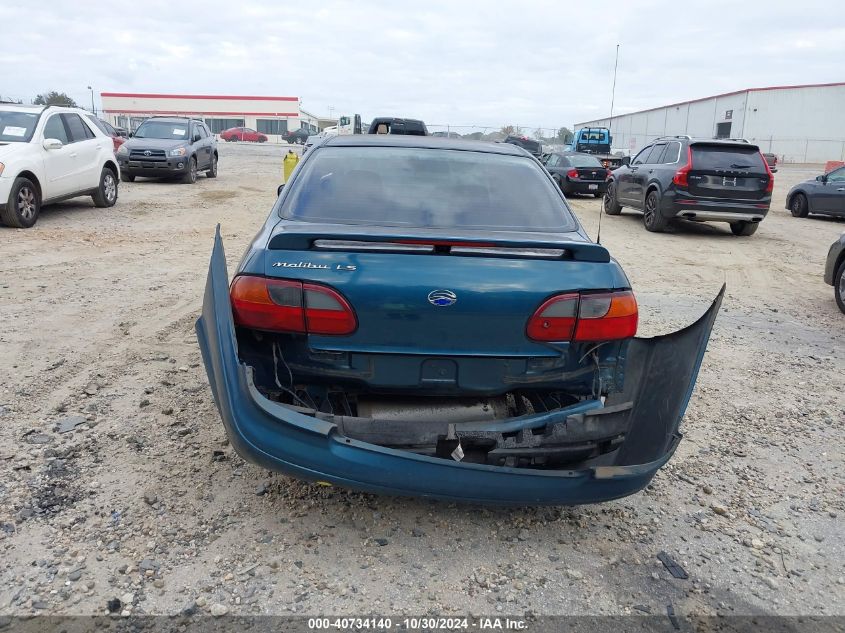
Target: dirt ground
x=141, y=501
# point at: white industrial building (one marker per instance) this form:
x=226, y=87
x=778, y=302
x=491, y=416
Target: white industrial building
x=801, y=124
x=273, y=116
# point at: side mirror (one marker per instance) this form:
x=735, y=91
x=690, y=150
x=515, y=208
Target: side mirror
x=822, y=178
x=279, y=190
x=51, y=143
x=131, y=134
x=197, y=138
x=626, y=160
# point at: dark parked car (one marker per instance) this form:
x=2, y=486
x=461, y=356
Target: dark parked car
x=823, y=194
x=701, y=180
x=168, y=147
x=243, y=134
x=772, y=160
x=298, y=137
x=424, y=317
x=528, y=144
x=577, y=173
x=834, y=270
x=393, y=125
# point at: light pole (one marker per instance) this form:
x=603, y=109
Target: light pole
x=93, y=109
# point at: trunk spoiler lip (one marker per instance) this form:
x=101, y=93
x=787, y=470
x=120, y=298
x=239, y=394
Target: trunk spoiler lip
x=298, y=238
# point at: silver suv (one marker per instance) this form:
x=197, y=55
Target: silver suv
x=168, y=147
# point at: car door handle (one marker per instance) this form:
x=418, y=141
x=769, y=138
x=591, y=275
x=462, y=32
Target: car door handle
x=841, y=189
x=72, y=154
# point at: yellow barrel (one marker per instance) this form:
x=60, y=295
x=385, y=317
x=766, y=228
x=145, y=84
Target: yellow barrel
x=290, y=161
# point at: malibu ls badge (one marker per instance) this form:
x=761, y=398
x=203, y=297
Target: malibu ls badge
x=341, y=267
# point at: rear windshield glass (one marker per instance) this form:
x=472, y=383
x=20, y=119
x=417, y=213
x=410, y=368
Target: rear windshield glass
x=400, y=186
x=16, y=127
x=727, y=158
x=583, y=160
x=163, y=129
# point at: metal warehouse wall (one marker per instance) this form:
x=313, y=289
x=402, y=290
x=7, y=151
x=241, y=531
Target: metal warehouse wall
x=805, y=125
x=802, y=124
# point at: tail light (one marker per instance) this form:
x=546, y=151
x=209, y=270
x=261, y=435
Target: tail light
x=607, y=316
x=283, y=305
x=770, y=186
x=572, y=173
x=681, y=177
x=555, y=319
x=585, y=317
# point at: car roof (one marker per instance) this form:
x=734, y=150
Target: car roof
x=33, y=109
x=423, y=142
x=180, y=119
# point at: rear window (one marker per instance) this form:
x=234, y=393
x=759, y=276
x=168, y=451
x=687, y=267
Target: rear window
x=583, y=160
x=416, y=187
x=729, y=157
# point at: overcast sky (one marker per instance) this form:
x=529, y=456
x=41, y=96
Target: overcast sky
x=534, y=63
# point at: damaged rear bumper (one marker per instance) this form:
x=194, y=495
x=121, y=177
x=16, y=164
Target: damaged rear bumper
x=659, y=377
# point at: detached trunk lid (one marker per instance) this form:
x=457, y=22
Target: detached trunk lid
x=729, y=171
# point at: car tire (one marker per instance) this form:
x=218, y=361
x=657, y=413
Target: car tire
x=610, y=203
x=190, y=176
x=212, y=172
x=106, y=194
x=127, y=177
x=23, y=205
x=652, y=218
x=839, y=287
x=799, y=206
x=262, y=139
x=744, y=228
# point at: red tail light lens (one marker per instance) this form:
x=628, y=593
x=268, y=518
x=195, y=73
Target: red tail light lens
x=327, y=312
x=608, y=316
x=681, y=178
x=267, y=304
x=770, y=186
x=555, y=319
x=585, y=317
x=572, y=173
x=282, y=305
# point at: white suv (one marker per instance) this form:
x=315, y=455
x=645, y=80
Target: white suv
x=50, y=153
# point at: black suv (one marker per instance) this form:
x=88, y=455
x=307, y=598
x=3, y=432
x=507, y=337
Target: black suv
x=528, y=144
x=164, y=147
x=701, y=180
x=393, y=125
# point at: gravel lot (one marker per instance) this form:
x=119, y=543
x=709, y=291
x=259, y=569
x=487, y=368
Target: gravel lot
x=141, y=501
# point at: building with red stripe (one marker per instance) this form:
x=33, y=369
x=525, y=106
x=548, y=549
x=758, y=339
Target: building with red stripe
x=268, y=115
